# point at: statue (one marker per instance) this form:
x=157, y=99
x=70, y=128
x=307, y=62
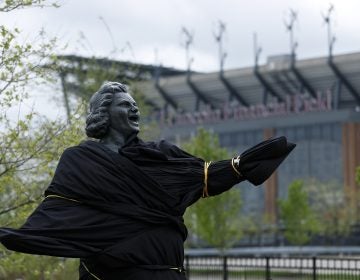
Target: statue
x=117, y=203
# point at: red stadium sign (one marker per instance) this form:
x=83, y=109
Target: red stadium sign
x=293, y=104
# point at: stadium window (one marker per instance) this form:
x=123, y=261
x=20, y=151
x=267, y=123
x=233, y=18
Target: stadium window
x=299, y=133
x=327, y=132
x=224, y=139
x=337, y=132
x=315, y=131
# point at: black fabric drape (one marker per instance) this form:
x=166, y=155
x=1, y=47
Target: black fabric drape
x=121, y=213
x=117, y=211
x=260, y=161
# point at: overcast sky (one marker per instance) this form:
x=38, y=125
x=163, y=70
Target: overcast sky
x=154, y=26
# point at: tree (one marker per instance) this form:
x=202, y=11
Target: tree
x=331, y=204
x=299, y=220
x=215, y=220
x=10, y=5
x=30, y=144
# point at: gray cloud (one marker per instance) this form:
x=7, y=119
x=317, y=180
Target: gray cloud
x=156, y=24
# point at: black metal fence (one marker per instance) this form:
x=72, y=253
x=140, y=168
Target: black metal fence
x=271, y=268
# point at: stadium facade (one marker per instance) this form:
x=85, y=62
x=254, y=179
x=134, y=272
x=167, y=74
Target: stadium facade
x=314, y=102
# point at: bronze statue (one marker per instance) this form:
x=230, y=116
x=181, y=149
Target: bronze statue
x=114, y=116
x=117, y=203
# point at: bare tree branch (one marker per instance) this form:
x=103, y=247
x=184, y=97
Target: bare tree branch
x=22, y=204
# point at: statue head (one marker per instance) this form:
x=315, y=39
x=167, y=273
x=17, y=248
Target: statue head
x=112, y=108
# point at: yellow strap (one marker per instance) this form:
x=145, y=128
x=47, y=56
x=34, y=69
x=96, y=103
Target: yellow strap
x=178, y=269
x=206, y=173
x=62, y=197
x=233, y=166
x=93, y=275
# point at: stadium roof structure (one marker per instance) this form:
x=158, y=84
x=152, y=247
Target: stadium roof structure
x=278, y=79
x=71, y=63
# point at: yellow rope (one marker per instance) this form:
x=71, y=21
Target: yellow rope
x=62, y=197
x=178, y=269
x=233, y=165
x=93, y=275
x=206, y=173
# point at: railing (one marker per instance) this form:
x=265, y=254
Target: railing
x=271, y=268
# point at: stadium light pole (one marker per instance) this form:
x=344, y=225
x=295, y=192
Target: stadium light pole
x=258, y=75
x=188, y=40
x=304, y=84
x=330, y=38
x=219, y=36
x=233, y=92
x=200, y=96
x=290, y=28
x=342, y=78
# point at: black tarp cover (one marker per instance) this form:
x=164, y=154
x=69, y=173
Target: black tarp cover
x=123, y=210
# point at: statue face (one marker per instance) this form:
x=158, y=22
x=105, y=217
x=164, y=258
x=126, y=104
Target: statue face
x=124, y=114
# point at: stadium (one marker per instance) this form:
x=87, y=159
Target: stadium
x=313, y=102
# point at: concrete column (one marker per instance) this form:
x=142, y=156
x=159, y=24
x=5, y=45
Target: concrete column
x=350, y=154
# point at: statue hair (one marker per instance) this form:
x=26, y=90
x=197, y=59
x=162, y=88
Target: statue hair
x=98, y=119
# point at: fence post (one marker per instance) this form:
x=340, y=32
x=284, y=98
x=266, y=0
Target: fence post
x=267, y=272
x=225, y=268
x=314, y=268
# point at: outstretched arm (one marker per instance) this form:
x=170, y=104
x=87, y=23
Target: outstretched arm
x=255, y=165
x=221, y=176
